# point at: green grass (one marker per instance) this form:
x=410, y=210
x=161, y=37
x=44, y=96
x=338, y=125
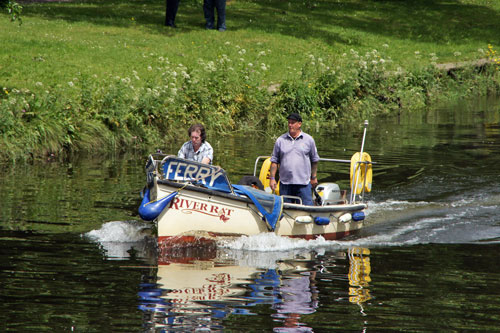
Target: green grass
x=59, y=40
x=95, y=74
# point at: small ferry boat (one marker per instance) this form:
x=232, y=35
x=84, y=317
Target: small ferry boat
x=192, y=201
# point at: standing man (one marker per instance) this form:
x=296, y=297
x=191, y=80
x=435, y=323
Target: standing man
x=171, y=12
x=296, y=154
x=197, y=149
x=208, y=10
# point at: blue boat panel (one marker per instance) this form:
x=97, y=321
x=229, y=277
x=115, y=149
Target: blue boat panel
x=210, y=176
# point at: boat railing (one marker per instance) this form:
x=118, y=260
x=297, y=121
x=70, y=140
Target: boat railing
x=352, y=198
x=257, y=162
x=294, y=198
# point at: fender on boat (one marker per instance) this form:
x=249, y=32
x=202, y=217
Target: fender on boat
x=358, y=216
x=321, y=220
x=149, y=210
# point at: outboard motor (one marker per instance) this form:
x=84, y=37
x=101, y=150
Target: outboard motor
x=330, y=193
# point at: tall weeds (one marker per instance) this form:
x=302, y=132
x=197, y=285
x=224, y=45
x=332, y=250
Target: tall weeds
x=227, y=94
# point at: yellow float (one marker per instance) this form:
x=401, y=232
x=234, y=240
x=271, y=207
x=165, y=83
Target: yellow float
x=265, y=176
x=361, y=173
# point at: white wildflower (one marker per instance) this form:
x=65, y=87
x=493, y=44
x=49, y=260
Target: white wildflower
x=211, y=66
x=71, y=84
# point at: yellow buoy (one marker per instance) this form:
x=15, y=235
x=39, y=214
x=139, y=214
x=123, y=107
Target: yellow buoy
x=265, y=176
x=361, y=173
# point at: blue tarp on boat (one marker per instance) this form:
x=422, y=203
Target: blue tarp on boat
x=269, y=205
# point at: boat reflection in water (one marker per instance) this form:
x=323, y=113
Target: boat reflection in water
x=197, y=287
x=359, y=276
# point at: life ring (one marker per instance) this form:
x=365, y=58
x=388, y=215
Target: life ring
x=265, y=176
x=361, y=173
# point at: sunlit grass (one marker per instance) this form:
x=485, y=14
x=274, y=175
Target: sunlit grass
x=59, y=40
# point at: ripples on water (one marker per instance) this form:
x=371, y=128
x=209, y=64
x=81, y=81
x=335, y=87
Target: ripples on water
x=75, y=256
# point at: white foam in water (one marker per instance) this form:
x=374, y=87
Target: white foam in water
x=392, y=205
x=268, y=242
x=118, y=231
x=118, y=237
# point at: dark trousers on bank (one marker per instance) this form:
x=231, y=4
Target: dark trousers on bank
x=172, y=6
x=209, y=7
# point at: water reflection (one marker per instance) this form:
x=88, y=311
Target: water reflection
x=359, y=276
x=204, y=288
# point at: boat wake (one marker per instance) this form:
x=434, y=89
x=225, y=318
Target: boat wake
x=472, y=219
x=122, y=239
x=461, y=220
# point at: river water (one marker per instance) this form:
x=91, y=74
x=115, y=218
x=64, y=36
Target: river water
x=76, y=257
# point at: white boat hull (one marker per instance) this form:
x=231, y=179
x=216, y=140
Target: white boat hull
x=202, y=213
x=191, y=201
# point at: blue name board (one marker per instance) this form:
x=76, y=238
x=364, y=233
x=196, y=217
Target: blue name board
x=212, y=177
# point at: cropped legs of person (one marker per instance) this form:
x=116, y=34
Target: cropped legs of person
x=209, y=6
x=171, y=12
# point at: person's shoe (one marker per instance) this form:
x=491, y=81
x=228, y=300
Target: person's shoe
x=222, y=29
x=170, y=24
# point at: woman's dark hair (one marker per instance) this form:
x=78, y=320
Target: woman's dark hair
x=200, y=128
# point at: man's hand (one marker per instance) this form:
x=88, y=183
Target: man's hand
x=314, y=182
x=272, y=184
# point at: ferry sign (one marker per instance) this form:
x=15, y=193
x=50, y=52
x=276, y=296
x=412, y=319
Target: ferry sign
x=213, y=177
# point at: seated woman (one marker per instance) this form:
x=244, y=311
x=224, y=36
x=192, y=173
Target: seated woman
x=197, y=149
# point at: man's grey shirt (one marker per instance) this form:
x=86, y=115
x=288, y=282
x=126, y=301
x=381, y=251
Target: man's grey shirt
x=295, y=157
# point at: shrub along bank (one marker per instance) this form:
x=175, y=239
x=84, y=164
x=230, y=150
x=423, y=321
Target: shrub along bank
x=102, y=113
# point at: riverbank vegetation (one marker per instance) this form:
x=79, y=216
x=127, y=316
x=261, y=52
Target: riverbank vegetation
x=98, y=75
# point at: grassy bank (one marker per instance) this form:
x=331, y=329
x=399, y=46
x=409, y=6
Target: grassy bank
x=107, y=74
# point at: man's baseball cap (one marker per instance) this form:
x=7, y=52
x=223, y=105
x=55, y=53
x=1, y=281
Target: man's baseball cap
x=294, y=116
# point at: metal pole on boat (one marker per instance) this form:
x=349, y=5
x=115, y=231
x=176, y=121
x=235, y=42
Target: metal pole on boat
x=354, y=190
